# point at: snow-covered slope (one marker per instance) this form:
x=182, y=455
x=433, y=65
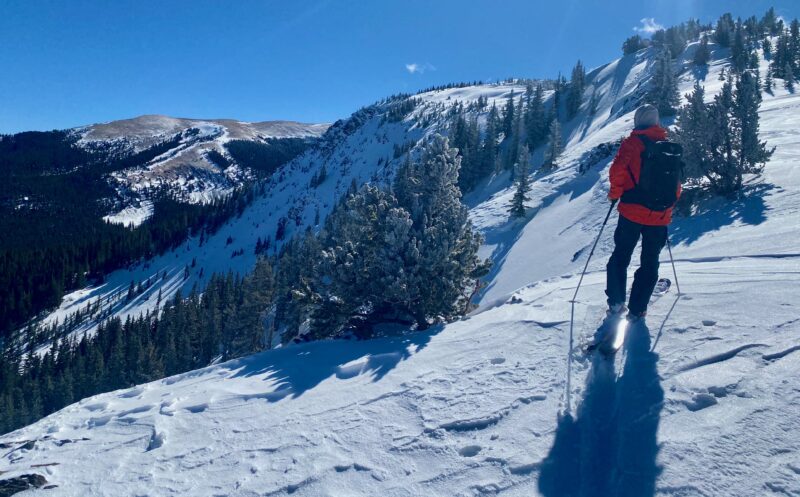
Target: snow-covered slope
x=362, y=148
x=702, y=401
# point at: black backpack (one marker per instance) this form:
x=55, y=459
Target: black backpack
x=659, y=177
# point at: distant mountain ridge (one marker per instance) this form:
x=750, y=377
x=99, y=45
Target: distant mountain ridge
x=145, y=130
x=187, y=167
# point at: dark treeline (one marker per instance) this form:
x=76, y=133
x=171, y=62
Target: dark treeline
x=190, y=333
x=264, y=158
x=42, y=257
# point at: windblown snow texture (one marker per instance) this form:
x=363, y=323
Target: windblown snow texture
x=701, y=402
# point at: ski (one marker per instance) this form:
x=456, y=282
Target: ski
x=662, y=286
x=608, y=334
x=611, y=331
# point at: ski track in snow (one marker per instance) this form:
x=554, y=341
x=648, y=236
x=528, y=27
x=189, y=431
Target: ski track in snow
x=701, y=401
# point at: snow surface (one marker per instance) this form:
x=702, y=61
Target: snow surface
x=702, y=401
x=131, y=215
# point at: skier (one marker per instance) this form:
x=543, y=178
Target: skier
x=645, y=177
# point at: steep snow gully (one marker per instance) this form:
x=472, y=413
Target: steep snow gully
x=701, y=401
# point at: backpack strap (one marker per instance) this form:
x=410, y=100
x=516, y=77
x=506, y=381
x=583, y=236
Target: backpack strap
x=648, y=145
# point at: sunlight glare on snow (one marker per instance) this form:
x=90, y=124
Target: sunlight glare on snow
x=619, y=337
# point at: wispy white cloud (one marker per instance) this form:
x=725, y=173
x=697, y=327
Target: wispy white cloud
x=649, y=26
x=416, y=68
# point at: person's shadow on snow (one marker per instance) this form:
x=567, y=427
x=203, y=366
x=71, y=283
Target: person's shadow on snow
x=610, y=448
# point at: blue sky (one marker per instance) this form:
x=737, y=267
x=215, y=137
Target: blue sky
x=64, y=64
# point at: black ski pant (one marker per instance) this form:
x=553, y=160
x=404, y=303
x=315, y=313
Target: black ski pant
x=626, y=236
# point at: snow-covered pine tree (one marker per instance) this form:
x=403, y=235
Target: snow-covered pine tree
x=663, y=91
x=766, y=47
x=441, y=234
x=553, y=146
x=517, y=208
x=754, y=64
x=404, y=256
x=362, y=266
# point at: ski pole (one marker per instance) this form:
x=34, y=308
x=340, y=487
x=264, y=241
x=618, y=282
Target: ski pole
x=572, y=308
x=674, y=273
x=591, y=252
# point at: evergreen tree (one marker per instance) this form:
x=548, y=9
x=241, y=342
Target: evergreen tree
x=489, y=149
x=441, y=234
x=723, y=33
x=794, y=47
x=702, y=53
x=535, y=118
x=559, y=87
x=692, y=128
x=731, y=142
x=663, y=91
x=577, y=85
x=788, y=78
x=508, y=115
x=768, y=83
x=766, y=46
x=553, y=147
x=633, y=44
x=740, y=55
x=754, y=153
x=782, y=58
x=515, y=139
x=402, y=255
x=522, y=181
x=769, y=23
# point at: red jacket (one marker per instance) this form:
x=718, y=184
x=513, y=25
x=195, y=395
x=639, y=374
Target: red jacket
x=629, y=162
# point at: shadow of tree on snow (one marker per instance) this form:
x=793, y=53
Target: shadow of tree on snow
x=711, y=213
x=610, y=448
x=298, y=368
